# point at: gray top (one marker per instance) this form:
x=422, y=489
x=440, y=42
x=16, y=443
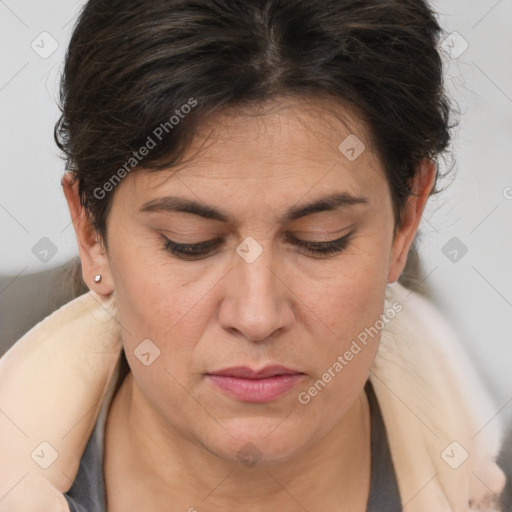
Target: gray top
x=87, y=493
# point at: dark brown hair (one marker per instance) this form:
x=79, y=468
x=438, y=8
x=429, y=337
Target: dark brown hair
x=132, y=65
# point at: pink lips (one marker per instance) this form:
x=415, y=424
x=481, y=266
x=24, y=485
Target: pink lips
x=249, y=385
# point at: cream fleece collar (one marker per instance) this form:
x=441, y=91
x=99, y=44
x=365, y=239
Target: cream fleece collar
x=443, y=432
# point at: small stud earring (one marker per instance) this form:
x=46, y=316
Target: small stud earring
x=97, y=279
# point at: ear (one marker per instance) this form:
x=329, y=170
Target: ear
x=93, y=254
x=422, y=185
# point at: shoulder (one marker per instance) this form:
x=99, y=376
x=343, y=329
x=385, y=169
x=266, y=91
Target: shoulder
x=436, y=410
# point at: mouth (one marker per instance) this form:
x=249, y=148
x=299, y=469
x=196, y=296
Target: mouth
x=249, y=385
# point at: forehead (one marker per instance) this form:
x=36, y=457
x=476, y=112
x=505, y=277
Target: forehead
x=279, y=151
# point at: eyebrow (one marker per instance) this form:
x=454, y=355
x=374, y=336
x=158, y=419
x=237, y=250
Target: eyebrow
x=180, y=204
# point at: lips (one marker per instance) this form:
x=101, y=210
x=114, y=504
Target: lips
x=244, y=372
x=248, y=385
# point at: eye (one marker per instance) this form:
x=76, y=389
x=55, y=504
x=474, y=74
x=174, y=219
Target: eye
x=191, y=250
x=324, y=248
x=202, y=249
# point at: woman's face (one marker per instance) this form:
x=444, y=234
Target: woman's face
x=257, y=297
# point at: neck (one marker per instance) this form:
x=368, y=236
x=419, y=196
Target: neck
x=148, y=465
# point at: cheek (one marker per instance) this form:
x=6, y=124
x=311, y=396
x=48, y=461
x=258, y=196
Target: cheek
x=343, y=355
x=355, y=312
x=347, y=318
x=353, y=297
x=162, y=301
x=160, y=326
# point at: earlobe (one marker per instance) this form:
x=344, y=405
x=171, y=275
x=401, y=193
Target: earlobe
x=422, y=186
x=93, y=254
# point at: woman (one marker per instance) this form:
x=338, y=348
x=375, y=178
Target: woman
x=246, y=180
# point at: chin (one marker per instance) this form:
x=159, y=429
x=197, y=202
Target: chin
x=259, y=441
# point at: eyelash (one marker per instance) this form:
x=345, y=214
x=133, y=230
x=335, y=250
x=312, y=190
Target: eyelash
x=203, y=248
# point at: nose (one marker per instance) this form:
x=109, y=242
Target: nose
x=256, y=304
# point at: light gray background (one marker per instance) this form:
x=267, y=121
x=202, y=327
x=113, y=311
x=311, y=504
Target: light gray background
x=475, y=292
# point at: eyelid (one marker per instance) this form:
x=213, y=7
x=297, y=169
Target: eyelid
x=290, y=236
x=203, y=248
x=327, y=247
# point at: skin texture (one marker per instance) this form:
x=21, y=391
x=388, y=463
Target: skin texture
x=172, y=437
